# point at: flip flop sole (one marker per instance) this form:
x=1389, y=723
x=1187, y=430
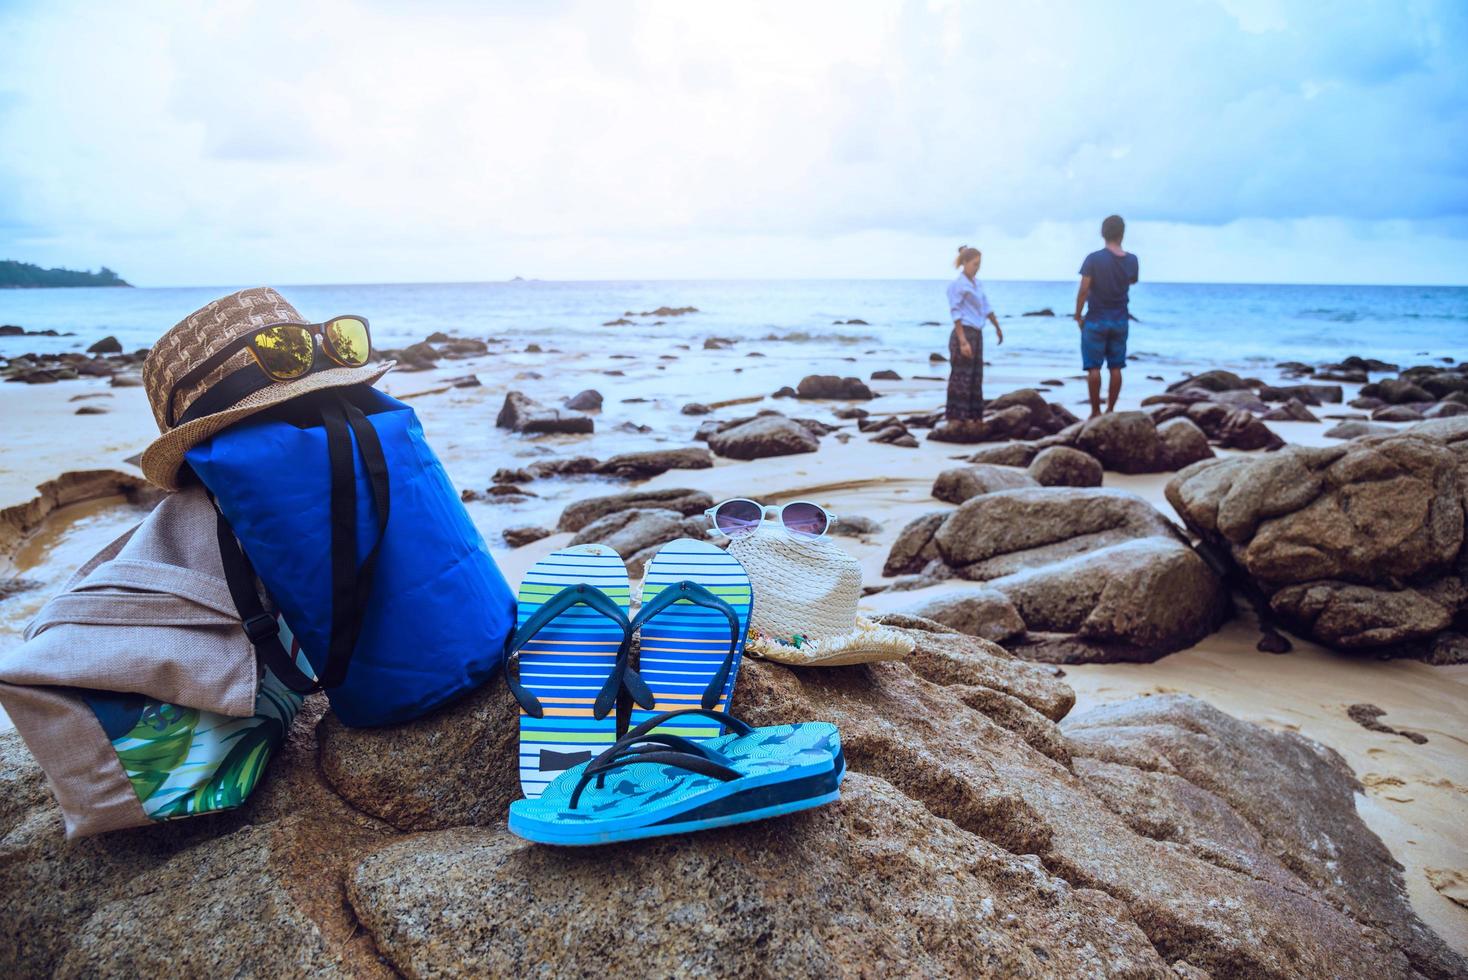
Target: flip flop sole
x=682, y=826
x=754, y=797
x=684, y=646
x=566, y=664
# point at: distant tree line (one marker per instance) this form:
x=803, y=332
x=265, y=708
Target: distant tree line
x=24, y=275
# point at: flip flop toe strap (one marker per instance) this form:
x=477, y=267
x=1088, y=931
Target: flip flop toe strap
x=689, y=762
x=699, y=596
x=571, y=595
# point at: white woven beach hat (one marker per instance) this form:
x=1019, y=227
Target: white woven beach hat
x=805, y=595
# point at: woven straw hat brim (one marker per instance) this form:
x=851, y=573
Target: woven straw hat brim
x=163, y=458
x=867, y=644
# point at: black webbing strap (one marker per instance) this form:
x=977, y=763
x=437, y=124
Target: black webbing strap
x=351, y=584
x=259, y=625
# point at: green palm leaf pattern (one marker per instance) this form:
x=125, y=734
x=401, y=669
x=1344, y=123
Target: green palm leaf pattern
x=158, y=744
x=183, y=761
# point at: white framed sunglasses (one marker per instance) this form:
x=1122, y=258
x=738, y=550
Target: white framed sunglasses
x=741, y=516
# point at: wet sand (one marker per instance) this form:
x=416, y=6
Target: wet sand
x=1416, y=796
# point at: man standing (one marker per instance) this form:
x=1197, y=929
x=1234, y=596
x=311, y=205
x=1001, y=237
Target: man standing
x=1106, y=276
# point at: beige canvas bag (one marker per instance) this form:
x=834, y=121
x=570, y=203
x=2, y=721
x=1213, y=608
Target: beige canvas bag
x=137, y=683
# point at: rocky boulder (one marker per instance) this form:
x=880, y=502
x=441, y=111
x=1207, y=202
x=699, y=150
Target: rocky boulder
x=762, y=436
x=1271, y=804
x=974, y=837
x=1009, y=454
x=583, y=512
x=1306, y=394
x=1218, y=380
x=1095, y=574
x=585, y=401
x=651, y=463
x=1061, y=466
x=1182, y=444
x=1124, y=442
x=637, y=534
x=1356, y=546
x=832, y=387
x=1293, y=410
x=521, y=413
x=980, y=612
x=965, y=482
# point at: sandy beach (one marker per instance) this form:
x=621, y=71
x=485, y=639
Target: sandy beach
x=1415, y=795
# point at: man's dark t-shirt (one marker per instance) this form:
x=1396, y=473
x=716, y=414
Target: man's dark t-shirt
x=1110, y=274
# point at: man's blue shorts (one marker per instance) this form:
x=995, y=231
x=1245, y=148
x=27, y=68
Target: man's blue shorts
x=1103, y=340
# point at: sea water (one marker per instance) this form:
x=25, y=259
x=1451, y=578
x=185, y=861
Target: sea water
x=1228, y=325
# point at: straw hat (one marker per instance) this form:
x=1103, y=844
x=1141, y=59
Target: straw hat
x=805, y=604
x=191, y=342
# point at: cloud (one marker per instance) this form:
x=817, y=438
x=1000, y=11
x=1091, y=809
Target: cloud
x=375, y=130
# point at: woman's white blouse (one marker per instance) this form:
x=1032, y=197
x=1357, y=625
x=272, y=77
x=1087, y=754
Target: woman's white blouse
x=967, y=302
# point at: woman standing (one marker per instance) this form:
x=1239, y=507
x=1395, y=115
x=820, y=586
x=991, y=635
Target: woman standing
x=969, y=308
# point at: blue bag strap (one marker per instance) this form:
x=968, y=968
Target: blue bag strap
x=622, y=674
x=699, y=596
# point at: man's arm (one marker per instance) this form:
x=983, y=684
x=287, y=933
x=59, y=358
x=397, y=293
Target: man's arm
x=1081, y=295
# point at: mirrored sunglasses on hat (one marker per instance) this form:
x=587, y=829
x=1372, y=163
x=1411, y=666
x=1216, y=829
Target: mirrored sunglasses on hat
x=287, y=351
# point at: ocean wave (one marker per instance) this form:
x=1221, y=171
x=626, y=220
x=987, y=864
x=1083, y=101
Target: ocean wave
x=805, y=337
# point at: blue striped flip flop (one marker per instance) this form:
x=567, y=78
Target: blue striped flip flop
x=573, y=641
x=652, y=784
x=696, y=603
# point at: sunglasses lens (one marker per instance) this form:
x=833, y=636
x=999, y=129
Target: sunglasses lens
x=738, y=517
x=347, y=341
x=804, y=519
x=285, y=351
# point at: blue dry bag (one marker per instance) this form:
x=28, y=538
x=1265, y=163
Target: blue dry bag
x=351, y=523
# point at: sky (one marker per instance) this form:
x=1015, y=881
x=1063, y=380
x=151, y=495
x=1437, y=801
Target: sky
x=450, y=140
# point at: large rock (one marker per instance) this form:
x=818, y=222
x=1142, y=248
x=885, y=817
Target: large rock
x=1272, y=804
x=966, y=482
x=1240, y=429
x=910, y=892
x=1095, y=574
x=1061, y=466
x=521, y=413
x=1137, y=600
x=997, y=425
x=1356, y=428
x=1124, y=442
x=981, y=612
x=973, y=838
x=1306, y=394
x=915, y=546
x=1182, y=443
x=652, y=462
x=256, y=891
x=636, y=535
x=585, y=401
x=830, y=386
x=1008, y=531
x=762, y=436
x=986, y=772
x=1358, y=545
x=1218, y=380
x=1009, y=454
x=684, y=501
